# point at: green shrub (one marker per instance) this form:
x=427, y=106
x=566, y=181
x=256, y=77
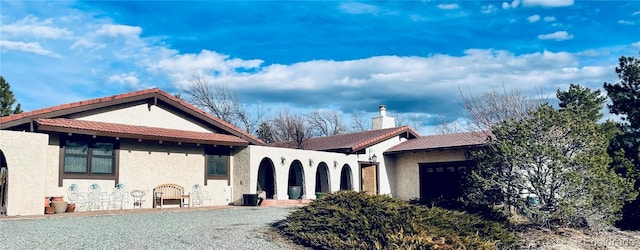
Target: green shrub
x=348, y=220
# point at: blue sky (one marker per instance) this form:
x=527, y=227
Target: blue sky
x=413, y=56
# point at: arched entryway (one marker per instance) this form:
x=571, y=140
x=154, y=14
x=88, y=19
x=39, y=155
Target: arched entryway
x=4, y=183
x=296, y=180
x=346, y=182
x=322, y=179
x=267, y=178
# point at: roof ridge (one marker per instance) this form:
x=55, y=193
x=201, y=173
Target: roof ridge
x=156, y=90
x=77, y=104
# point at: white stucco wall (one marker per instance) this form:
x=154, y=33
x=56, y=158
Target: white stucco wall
x=144, y=115
x=143, y=166
x=257, y=153
x=26, y=155
x=386, y=165
x=407, y=184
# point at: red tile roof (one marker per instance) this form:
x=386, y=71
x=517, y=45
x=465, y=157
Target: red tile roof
x=441, y=141
x=65, y=109
x=350, y=142
x=136, y=132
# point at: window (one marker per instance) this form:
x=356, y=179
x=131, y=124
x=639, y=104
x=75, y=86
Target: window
x=217, y=165
x=87, y=156
x=217, y=162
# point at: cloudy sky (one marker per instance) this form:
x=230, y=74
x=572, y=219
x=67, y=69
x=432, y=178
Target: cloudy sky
x=413, y=56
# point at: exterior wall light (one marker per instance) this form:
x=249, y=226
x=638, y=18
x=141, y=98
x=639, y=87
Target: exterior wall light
x=310, y=162
x=335, y=164
x=282, y=160
x=373, y=158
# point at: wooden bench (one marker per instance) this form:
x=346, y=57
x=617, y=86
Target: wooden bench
x=168, y=191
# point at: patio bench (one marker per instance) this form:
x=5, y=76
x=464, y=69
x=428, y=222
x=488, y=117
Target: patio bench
x=170, y=192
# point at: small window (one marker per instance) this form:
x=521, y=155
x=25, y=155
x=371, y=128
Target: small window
x=84, y=156
x=217, y=165
x=217, y=162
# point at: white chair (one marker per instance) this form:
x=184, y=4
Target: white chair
x=118, y=198
x=138, y=198
x=198, y=196
x=75, y=197
x=95, y=197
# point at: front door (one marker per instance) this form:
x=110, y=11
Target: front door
x=369, y=179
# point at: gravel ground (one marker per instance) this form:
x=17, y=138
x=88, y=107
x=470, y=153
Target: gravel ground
x=233, y=228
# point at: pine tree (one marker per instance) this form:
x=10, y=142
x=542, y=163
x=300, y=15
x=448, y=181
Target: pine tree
x=552, y=165
x=7, y=99
x=625, y=147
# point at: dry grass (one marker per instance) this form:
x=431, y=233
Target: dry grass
x=575, y=239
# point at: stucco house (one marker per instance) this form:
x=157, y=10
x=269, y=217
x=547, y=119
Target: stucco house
x=149, y=137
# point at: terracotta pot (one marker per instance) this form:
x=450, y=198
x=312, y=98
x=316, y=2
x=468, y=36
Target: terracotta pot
x=57, y=198
x=47, y=201
x=71, y=207
x=49, y=210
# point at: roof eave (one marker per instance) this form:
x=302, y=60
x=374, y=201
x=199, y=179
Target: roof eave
x=49, y=128
x=434, y=149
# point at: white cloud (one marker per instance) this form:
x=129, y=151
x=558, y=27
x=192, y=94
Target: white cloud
x=33, y=27
x=636, y=45
x=431, y=77
x=547, y=3
x=452, y=6
x=636, y=13
x=359, y=8
x=626, y=22
x=33, y=47
x=558, y=36
x=534, y=18
x=113, y=30
x=488, y=9
x=128, y=79
x=549, y=19
x=182, y=68
x=512, y=5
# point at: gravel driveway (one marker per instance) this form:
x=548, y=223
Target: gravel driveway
x=232, y=228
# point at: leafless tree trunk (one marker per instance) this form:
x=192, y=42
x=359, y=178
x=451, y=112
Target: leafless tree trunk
x=359, y=123
x=223, y=103
x=326, y=123
x=290, y=127
x=401, y=119
x=444, y=127
x=493, y=107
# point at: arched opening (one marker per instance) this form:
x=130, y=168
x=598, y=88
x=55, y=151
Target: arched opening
x=322, y=179
x=346, y=182
x=4, y=183
x=296, y=180
x=267, y=178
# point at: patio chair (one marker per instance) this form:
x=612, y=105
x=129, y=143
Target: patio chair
x=76, y=197
x=198, y=196
x=118, y=198
x=138, y=198
x=95, y=197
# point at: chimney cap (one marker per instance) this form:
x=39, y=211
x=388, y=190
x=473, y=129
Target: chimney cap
x=382, y=106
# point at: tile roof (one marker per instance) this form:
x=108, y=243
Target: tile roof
x=350, y=142
x=136, y=132
x=441, y=141
x=65, y=109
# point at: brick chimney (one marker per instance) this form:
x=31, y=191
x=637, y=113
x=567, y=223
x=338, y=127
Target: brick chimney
x=383, y=121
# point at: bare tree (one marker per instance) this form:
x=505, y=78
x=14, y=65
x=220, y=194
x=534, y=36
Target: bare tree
x=444, y=127
x=493, y=107
x=223, y=103
x=358, y=121
x=290, y=127
x=326, y=123
x=401, y=119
